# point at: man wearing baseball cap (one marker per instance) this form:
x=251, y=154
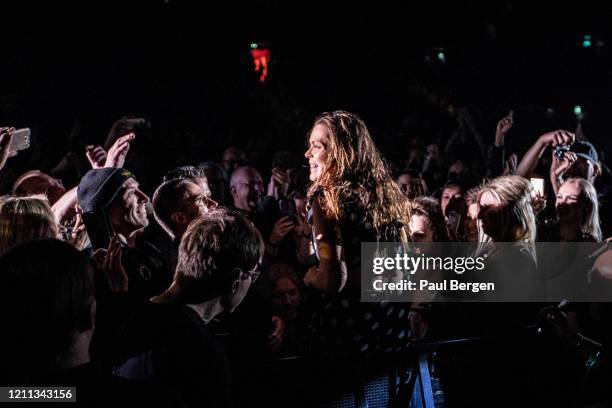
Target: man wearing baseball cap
x=115, y=215
x=587, y=165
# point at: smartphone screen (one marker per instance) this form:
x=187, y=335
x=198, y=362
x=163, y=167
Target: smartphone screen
x=538, y=185
x=21, y=140
x=287, y=208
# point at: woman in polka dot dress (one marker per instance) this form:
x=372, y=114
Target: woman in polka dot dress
x=353, y=199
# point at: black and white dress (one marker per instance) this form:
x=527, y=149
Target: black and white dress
x=341, y=325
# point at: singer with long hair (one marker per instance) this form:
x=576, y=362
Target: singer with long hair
x=353, y=199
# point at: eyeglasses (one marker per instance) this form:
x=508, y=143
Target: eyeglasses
x=253, y=184
x=254, y=274
x=199, y=200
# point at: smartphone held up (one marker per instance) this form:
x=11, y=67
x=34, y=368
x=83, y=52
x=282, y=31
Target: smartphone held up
x=21, y=140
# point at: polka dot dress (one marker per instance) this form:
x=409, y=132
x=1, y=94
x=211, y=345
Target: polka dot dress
x=342, y=325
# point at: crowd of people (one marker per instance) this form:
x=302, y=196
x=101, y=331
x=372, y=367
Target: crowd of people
x=221, y=288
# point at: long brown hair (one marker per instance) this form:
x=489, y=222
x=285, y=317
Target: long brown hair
x=430, y=208
x=356, y=168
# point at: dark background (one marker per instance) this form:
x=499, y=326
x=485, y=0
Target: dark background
x=187, y=67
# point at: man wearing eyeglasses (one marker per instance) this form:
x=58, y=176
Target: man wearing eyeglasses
x=168, y=340
x=247, y=188
x=176, y=204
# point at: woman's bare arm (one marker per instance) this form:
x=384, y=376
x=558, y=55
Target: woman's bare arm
x=330, y=276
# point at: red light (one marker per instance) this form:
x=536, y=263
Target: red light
x=261, y=59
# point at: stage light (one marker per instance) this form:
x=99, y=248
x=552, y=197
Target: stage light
x=579, y=113
x=578, y=110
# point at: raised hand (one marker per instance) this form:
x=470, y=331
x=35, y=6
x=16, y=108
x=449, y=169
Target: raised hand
x=559, y=167
x=6, y=136
x=303, y=228
x=96, y=156
x=279, y=183
x=118, y=151
x=433, y=152
x=124, y=126
x=531, y=158
x=275, y=339
x=281, y=228
x=558, y=138
x=503, y=127
x=538, y=202
x=113, y=268
x=511, y=164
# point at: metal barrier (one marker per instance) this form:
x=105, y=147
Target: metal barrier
x=408, y=381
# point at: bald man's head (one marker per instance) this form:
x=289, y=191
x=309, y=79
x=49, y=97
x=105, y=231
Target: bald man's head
x=247, y=188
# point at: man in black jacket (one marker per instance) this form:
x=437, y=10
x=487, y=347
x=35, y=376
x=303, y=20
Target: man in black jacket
x=167, y=339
